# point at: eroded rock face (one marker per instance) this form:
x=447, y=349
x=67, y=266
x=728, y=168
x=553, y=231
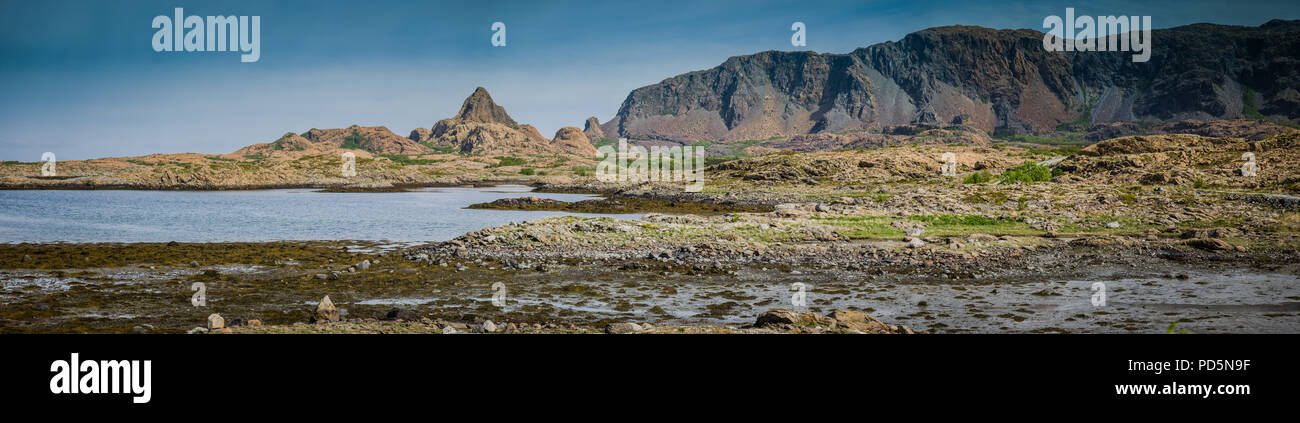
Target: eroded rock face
x=592, y=129
x=944, y=75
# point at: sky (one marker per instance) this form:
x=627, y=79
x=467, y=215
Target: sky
x=81, y=78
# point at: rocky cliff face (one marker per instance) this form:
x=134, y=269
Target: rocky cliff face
x=989, y=79
x=484, y=128
x=592, y=129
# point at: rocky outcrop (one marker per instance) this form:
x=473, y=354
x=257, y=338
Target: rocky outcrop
x=985, y=78
x=842, y=320
x=592, y=129
x=484, y=128
x=420, y=135
x=479, y=107
x=1189, y=160
x=373, y=139
x=1234, y=128
x=571, y=138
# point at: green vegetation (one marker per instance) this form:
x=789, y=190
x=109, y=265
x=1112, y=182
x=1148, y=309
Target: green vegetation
x=1248, y=107
x=1250, y=110
x=584, y=170
x=1064, y=150
x=604, y=142
x=1028, y=172
x=439, y=149
x=218, y=158
x=508, y=161
x=938, y=225
x=354, y=141
x=981, y=177
x=405, y=160
x=526, y=171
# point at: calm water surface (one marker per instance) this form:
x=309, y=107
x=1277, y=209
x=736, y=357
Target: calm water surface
x=428, y=214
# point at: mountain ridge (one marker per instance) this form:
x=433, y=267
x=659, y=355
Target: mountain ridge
x=992, y=79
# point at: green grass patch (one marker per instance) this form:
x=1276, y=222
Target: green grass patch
x=1028, y=172
x=981, y=177
x=405, y=160
x=881, y=227
x=508, y=161
x=440, y=149
x=353, y=141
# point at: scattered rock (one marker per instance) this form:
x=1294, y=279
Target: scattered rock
x=215, y=321
x=402, y=315
x=325, y=311
x=1211, y=244
x=788, y=317
x=622, y=328
x=486, y=327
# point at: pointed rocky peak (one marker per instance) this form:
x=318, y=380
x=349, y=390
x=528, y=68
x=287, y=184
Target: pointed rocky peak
x=592, y=129
x=479, y=107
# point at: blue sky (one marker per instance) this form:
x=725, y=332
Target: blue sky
x=81, y=79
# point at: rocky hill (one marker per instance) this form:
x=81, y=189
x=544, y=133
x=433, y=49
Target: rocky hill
x=986, y=78
x=372, y=139
x=484, y=128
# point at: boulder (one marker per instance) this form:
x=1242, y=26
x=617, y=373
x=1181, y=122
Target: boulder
x=402, y=315
x=215, y=321
x=622, y=328
x=325, y=311
x=784, y=317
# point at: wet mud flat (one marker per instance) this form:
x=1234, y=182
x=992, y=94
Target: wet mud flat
x=123, y=288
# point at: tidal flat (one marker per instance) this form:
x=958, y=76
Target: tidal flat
x=149, y=287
